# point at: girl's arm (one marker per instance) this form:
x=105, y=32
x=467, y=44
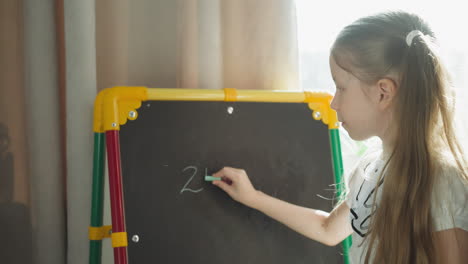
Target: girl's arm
x=327, y=228
x=452, y=245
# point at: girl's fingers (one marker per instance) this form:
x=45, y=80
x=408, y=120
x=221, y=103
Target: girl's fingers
x=219, y=173
x=226, y=180
x=224, y=186
x=227, y=174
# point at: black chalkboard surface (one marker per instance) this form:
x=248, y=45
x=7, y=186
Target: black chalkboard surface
x=174, y=216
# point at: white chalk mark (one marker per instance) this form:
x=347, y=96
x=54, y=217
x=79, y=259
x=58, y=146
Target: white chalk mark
x=194, y=191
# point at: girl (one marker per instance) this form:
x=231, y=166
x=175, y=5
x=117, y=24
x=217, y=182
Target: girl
x=408, y=204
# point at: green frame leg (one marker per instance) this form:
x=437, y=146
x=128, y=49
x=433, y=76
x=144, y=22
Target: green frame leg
x=95, y=246
x=339, y=180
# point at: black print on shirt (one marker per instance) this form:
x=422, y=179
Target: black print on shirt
x=361, y=210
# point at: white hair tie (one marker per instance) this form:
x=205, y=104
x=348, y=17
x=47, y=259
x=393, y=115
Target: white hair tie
x=411, y=35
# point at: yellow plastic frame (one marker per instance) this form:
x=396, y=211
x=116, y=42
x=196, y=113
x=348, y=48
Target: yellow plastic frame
x=99, y=233
x=114, y=106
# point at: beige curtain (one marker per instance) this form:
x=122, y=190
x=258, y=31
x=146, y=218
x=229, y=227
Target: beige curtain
x=32, y=205
x=238, y=44
x=213, y=44
x=46, y=138
x=12, y=96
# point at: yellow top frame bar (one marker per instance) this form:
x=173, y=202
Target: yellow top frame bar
x=113, y=106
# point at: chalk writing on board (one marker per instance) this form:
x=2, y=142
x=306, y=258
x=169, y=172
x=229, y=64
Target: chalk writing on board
x=184, y=189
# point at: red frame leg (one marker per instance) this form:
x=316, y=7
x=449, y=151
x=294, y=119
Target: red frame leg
x=116, y=192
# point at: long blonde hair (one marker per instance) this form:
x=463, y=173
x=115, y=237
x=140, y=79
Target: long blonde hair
x=374, y=47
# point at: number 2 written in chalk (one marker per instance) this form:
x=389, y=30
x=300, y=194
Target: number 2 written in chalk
x=185, y=188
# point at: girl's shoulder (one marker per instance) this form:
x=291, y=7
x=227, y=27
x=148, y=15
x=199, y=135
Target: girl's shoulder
x=449, y=175
x=450, y=198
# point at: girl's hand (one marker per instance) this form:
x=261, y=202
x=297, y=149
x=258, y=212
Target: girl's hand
x=236, y=183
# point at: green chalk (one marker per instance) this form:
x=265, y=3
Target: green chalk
x=211, y=178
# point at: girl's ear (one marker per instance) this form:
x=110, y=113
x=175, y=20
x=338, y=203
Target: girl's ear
x=387, y=89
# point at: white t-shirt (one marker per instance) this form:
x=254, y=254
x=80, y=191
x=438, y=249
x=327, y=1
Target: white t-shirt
x=449, y=202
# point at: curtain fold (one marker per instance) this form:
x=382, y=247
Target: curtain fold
x=15, y=199
x=80, y=52
x=112, y=43
x=260, y=45
x=238, y=44
x=43, y=119
x=33, y=216
x=12, y=93
x=199, y=44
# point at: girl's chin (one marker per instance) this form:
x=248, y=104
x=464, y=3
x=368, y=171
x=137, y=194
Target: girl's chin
x=345, y=126
x=356, y=137
x=352, y=135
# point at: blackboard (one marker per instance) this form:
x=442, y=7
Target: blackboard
x=174, y=216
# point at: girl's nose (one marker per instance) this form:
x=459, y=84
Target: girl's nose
x=334, y=103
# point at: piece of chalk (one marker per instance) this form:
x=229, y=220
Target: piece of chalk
x=211, y=178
